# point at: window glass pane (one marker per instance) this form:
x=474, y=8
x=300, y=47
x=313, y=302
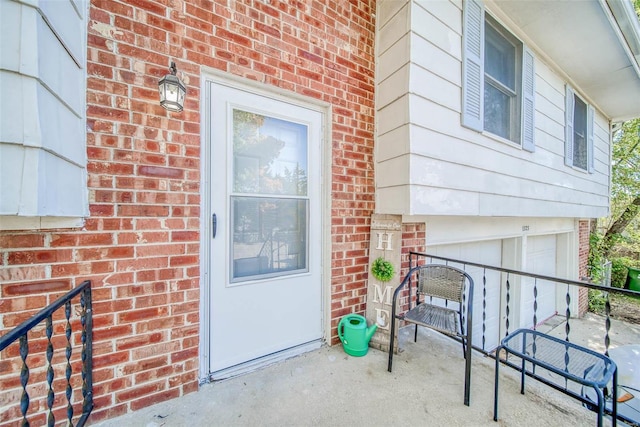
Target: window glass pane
x=500, y=58
x=502, y=81
x=269, y=155
x=497, y=111
x=580, y=134
x=269, y=236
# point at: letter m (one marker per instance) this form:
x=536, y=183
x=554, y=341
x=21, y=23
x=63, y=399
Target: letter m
x=381, y=296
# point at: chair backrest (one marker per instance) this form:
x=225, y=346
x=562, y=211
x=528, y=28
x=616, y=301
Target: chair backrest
x=441, y=281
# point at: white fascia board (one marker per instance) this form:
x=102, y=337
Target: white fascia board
x=626, y=25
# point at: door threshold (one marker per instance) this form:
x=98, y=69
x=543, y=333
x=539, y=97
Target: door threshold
x=264, y=361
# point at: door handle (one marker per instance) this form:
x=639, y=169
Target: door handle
x=214, y=224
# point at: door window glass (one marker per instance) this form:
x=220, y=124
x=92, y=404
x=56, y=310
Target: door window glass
x=269, y=200
x=269, y=236
x=269, y=155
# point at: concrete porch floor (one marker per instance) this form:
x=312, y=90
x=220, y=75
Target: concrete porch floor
x=327, y=387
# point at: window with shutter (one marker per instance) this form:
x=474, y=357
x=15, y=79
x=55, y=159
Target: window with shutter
x=578, y=132
x=498, y=93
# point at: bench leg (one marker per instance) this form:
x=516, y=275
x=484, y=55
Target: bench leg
x=614, y=402
x=495, y=386
x=522, y=377
x=600, y=405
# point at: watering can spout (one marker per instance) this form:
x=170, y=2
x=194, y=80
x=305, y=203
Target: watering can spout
x=370, y=331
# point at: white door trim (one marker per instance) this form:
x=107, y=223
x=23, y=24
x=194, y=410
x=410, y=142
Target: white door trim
x=211, y=76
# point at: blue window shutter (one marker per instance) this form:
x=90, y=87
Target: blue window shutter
x=590, y=153
x=569, y=103
x=528, y=100
x=473, y=65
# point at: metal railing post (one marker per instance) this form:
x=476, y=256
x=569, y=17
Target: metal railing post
x=20, y=334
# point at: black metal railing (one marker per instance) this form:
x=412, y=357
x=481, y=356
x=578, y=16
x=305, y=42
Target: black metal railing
x=506, y=281
x=59, y=323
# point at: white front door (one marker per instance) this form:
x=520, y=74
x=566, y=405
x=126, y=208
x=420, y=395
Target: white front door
x=265, y=243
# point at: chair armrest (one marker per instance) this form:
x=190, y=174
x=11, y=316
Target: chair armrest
x=406, y=281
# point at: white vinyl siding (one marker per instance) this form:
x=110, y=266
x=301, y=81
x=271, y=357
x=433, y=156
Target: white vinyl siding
x=427, y=163
x=42, y=130
x=579, y=128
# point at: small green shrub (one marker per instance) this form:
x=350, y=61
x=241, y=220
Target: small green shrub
x=596, y=258
x=597, y=301
x=382, y=269
x=619, y=271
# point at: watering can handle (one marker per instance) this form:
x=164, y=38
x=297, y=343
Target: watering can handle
x=340, y=329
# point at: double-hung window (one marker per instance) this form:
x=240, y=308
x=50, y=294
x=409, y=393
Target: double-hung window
x=502, y=89
x=578, y=132
x=498, y=79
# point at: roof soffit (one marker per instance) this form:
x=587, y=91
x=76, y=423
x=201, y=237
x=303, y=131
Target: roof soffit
x=597, y=48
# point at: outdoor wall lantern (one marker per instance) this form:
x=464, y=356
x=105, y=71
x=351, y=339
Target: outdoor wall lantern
x=172, y=91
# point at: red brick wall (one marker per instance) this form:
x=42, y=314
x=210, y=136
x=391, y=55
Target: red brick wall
x=414, y=238
x=140, y=246
x=584, y=230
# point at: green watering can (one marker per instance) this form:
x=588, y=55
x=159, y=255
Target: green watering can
x=354, y=334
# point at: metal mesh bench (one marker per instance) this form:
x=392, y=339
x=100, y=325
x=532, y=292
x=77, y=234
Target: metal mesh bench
x=571, y=362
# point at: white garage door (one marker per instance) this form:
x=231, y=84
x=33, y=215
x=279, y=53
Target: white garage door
x=541, y=259
x=488, y=253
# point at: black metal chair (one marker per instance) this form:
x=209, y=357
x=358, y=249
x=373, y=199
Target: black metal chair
x=443, y=302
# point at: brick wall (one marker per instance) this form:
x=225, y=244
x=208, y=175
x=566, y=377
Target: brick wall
x=414, y=238
x=140, y=246
x=584, y=230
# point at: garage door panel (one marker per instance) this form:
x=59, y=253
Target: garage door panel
x=538, y=297
x=486, y=296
